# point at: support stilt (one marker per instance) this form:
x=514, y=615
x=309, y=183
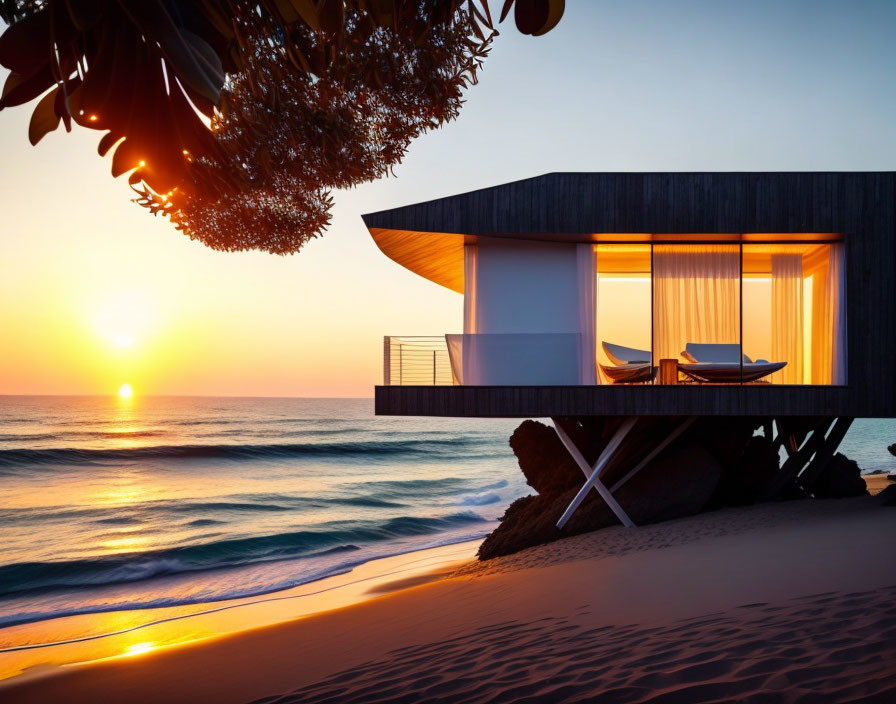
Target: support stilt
x=653, y=453
x=825, y=453
x=796, y=461
x=593, y=473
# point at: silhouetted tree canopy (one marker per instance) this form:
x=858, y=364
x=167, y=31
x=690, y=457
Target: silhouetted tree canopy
x=236, y=118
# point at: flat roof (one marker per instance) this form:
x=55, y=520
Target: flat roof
x=428, y=238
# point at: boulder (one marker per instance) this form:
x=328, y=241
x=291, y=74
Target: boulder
x=678, y=482
x=745, y=476
x=724, y=437
x=892, y=449
x=888, y=496
x=543, y=459
x=841, y=478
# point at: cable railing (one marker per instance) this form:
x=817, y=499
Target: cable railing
x=416, y=361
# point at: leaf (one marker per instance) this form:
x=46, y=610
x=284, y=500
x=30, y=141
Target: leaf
x=504, y=10
x=205, y=55
x=27, y=89
x=44, y=118
x=332, y=16
x=531, y=15
x=488, y=13
x=308, y=12
x=106, y=143
x=26, y=45
x=12, y=80
x=84, y=13
x=156, y=25
x=554, y=15
x=287, y=11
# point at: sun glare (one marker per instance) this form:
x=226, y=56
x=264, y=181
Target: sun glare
x=138, y=649
x=124, y=319
x=125, y=391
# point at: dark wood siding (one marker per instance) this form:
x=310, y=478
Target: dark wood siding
x=860, y=206
x=542, y=401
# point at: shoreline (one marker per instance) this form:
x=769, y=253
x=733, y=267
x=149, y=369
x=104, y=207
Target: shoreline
x=100, y=636
x=785, y=566
x=40, y=648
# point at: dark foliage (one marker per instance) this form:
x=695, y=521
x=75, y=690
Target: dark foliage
x=235, y=118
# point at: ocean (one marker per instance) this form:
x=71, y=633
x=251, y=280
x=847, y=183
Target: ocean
x=109, y=504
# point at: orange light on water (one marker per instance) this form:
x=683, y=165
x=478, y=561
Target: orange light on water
x=138, y=649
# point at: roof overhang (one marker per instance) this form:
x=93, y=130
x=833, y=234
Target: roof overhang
x=428, y=238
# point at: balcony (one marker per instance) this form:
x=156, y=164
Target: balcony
x=416, y=361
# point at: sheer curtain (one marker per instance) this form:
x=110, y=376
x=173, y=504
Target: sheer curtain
x=460, y=362
x=695, y=296
x=787, y=317
x=471, y=269
x=837, y=286
x=829, y=358
x=586, y=274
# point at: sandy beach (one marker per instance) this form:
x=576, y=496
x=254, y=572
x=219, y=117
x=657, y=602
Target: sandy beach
x=791, y=601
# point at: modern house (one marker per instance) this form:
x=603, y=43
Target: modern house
x=655, y=298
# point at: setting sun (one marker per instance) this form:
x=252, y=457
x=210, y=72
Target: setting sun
x=125, y=391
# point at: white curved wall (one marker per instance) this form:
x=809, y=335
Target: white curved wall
x=524, y=287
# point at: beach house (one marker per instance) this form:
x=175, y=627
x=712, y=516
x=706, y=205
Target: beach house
x=654, y=298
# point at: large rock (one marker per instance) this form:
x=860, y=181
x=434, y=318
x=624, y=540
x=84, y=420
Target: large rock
x=888, y=496
x=679, y=482
x=724, y=437
x=841, y=478
x=543, y=459
x=745, y=475
x=892, y=449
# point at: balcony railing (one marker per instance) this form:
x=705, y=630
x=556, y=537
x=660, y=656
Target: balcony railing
x=416, y=361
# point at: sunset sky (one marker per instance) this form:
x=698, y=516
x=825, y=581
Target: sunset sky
x=95, y=293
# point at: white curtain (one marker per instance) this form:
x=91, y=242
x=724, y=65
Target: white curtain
x=455, y=344
x=787, y=317
x=837, y=289
x=586, y=274
x=471, y=271
x=695, y=297
x=829, y=360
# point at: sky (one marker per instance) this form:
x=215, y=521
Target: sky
x=95, y=293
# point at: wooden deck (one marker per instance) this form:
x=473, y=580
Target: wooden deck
x=696, y=399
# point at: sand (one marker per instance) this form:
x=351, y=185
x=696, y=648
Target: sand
x=779, y=602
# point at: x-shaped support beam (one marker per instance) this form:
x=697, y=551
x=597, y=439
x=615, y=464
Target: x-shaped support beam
x=592, y=474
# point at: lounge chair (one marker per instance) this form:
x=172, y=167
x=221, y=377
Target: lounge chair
x=724, y=364
x=630, y=365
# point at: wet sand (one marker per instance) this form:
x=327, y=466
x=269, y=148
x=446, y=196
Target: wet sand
x=779, y=602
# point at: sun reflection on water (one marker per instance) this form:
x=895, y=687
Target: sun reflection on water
x=139, y=649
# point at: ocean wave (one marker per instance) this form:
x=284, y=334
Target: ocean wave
x=29, y=577
x=391, y=449
x=480, y=499
x=348, y=557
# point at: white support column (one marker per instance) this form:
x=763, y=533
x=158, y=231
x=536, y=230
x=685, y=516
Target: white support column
x=653, y=453
x=593, y=473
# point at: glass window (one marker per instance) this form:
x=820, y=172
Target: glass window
x=794, y=311
x=624, y=313
x=696, y=310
